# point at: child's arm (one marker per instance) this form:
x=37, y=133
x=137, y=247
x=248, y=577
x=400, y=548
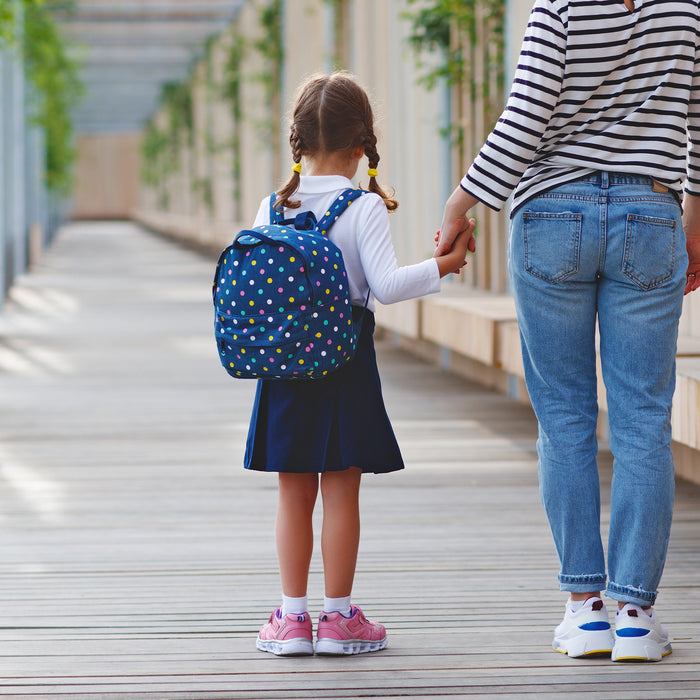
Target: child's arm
x=374, y=255
x=454, y=259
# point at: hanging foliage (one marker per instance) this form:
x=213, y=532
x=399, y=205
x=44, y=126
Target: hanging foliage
x=7, y=22
x=161, y=146
x=53, y=75
x=163, y=139
x=231, y=92
x=464, y=39
x=269, y=45
x=154, y=143
x=231, y=87
x=339, y=10
x=176, y=98
x=435, y=24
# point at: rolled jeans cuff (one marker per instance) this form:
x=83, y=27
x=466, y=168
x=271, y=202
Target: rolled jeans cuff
x=629, y=594
x=589, y=583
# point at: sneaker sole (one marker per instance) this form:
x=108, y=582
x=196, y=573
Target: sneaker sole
x=639, y=650
x=586, y=644
x=339, y=647
x=287, y=647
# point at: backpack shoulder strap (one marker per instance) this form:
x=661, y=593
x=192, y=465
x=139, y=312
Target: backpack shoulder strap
x=276, y=217
x=305, y=221
x=336, y=209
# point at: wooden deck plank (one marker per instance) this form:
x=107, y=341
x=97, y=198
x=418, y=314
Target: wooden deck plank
x=137, y=556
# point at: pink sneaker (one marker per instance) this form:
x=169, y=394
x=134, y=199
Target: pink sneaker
x=355, y=634
x=290, y=635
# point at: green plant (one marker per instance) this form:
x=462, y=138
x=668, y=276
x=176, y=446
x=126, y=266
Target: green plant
x=213, y=91
x=154, y=142
x=339, y=9
x=160, y=146
x=176, y=98
x=270, y=44
x=204, y=187
x=433, y=24
x=231, y=86
x=270, y=47
x=231, y=91
x=449, y=30
x=209, y=140
x=7, y=22
x=53, y=75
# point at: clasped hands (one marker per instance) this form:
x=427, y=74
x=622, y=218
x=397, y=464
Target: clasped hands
x=456, y=235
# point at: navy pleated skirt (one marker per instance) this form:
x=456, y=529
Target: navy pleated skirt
x=328, y=424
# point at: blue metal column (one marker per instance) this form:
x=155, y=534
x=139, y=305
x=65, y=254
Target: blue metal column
x=36, y=210
x=14, y=160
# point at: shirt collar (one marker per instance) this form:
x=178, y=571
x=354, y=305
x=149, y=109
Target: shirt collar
x=318, y=184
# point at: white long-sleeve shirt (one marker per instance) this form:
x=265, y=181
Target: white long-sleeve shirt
x=597, y=87
x=363, y=235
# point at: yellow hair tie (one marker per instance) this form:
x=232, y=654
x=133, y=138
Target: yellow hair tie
x=372, y=172
x=297, y=168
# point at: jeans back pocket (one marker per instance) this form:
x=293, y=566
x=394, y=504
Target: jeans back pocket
x=650, y=245
x=552, y=244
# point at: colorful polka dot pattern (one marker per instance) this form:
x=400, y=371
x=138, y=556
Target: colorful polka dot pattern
x=282, y=300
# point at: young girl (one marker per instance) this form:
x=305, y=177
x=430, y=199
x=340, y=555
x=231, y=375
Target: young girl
x=331, y=430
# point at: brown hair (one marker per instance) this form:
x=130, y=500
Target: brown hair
x=332, y=113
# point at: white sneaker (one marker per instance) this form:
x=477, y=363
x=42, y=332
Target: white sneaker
x=639, y=636
x=586, y=631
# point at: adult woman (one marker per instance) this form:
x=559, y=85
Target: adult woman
x=593, y=141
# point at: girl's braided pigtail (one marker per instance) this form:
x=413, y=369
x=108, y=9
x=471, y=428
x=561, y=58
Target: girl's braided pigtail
x=373, y=160
x=283, y=196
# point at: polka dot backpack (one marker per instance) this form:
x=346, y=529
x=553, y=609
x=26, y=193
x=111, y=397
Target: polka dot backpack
x=282, y=299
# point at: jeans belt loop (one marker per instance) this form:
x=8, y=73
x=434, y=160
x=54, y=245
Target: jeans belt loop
x=604, y=180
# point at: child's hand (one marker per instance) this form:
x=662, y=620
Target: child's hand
x=455, y=259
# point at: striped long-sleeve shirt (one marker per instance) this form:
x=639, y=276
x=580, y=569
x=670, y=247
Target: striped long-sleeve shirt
x=597, y=87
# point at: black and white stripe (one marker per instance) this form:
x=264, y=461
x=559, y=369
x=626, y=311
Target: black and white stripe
x=597, y=88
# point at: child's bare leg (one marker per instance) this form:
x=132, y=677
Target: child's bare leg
x=340, y=537
x=294, y=530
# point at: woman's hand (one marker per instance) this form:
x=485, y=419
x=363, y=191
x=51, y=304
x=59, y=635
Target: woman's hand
x=692, y=280
x=691, y=226
x=454, y=220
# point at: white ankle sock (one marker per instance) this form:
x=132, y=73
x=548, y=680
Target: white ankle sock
x=575, y=605
x=640, y=610
x=294, y=606
x=341, y=605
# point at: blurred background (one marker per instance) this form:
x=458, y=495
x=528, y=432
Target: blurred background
x=173, y=114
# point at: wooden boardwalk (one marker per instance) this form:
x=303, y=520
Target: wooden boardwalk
x=137, y=557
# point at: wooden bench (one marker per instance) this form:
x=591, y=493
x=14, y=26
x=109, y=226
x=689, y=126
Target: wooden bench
x=475, y=333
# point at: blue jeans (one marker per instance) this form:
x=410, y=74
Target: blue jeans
x=605, y=249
